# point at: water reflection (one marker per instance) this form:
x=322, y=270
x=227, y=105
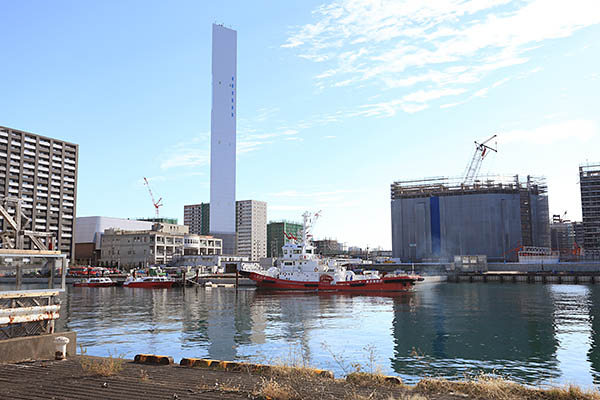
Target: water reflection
x=531, y=333
x=459, y=329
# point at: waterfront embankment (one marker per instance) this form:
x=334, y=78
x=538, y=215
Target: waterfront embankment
x=85, y=377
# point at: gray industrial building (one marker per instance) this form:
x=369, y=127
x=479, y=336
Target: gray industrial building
x=438, y=218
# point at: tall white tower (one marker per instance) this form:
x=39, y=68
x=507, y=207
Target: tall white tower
x=223, y=136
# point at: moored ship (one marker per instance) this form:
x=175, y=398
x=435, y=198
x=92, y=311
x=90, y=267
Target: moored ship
x=158, y=282
x=301, y=269
x=96, y=282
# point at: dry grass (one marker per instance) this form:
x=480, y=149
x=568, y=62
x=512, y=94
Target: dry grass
x=277, y=391
x=494, y=388
x=143, y=375
x=373, y=395
x=361, y=378
x=104, y=367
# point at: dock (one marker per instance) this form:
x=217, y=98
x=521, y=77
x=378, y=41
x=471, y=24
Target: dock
x=573, y=278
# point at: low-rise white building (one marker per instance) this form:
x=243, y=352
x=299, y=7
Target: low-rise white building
x=202, y=245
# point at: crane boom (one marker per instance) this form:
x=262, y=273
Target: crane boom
x=481, y=151
x=156, y=204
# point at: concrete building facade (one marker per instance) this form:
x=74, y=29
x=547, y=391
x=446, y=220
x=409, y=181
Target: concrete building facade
x=88, y=235
x=328, y=247
x=162, y=244
x=223, y=135
x=589, y=183
x=437, y=219
x=90, y=230
x=251, y=229
x=276, y=238
x=139, y=249
x=42, y=172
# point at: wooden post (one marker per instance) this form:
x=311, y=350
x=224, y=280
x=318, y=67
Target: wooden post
x=18, y=276
x=63, y=274
x=183, y=277
x=237, y=278
x=51, y=271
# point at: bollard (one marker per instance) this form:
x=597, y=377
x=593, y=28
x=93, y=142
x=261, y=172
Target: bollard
x=61, y=347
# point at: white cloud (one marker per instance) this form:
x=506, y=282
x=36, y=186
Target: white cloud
x=436, y=43
x=423, y=96
x=188, y=153
x=580, y=130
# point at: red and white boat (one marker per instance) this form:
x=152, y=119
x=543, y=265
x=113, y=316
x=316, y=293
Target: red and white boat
x=159, y=282
x=96, y=282
x=301, y=269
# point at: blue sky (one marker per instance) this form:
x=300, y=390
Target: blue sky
x=336, y=99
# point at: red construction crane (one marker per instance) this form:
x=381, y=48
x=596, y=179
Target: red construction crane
x=156, y=204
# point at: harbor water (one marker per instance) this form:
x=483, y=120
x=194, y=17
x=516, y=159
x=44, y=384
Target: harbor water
x=531, y=333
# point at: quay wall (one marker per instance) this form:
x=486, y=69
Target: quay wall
x=558, y=267
x=40, y=347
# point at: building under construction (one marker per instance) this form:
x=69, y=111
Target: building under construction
x=438, y=218
x=589, y=182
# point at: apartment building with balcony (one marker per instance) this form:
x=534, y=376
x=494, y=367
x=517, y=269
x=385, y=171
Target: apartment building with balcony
x=42, y=172
x=197, y=217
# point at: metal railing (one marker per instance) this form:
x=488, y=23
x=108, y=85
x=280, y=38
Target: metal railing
x=28, y=312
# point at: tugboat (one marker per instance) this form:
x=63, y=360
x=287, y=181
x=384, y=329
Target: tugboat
x=301, y=269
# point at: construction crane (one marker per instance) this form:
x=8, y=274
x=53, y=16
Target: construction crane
x=156, y=204
x=481, y=151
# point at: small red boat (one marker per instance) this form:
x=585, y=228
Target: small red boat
x=301, y=269
x=96, y=282
x=158, y=282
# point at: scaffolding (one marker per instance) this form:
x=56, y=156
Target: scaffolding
x=454, y=186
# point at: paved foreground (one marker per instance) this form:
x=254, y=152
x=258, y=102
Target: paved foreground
x=68, y=380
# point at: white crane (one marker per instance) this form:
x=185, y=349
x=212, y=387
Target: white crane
x=481, y=151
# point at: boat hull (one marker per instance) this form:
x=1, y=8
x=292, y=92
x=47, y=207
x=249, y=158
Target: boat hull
x=149, y=285
x=392, y=284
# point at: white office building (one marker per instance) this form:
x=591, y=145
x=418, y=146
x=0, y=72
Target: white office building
x=252, y=229
x=223, y=136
